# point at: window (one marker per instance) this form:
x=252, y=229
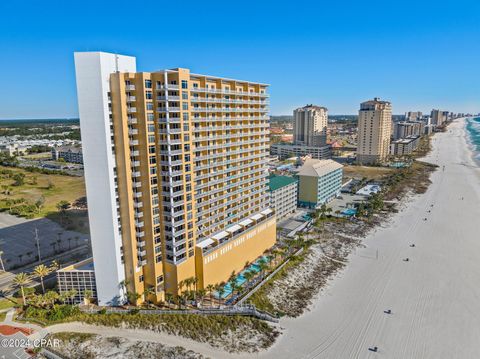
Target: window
x=140, y=279
x=148, y=94
x=184, y=95
x=184, y=84
x=148, y=84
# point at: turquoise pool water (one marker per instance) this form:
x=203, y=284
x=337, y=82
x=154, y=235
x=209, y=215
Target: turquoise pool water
x=240, y=279
x=349, y=211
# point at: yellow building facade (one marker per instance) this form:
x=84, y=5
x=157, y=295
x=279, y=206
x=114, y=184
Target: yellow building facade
x=190, y=153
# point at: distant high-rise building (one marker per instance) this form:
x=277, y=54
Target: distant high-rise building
x=413, y=115
x=404, y=129
x=439, y=117
x=175, y=174
x=310, y=126
x=374, y=130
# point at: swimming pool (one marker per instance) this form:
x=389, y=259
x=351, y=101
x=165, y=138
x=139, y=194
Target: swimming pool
x=349, y=212
x=240, y=279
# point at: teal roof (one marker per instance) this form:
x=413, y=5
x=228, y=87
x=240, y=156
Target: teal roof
x=277, y=182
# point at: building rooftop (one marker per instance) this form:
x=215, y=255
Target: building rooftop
x=317, y=168
x=276, y=182
x=307, y=107
x=85, y=265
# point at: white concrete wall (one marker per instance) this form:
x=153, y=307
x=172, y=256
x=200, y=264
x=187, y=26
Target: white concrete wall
x=93, y=71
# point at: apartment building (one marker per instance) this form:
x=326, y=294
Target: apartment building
x=79, y=277
x=283, y=192
x=72, y=154
x=179, y=160
x=404, y=129
x=310, y=126
x=374, y=130
x=286, y=150
x=320, y=181
x=404, y=146
x=438, y=117
x=413, y=115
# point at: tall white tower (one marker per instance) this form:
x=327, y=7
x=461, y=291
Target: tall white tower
x=93, y=71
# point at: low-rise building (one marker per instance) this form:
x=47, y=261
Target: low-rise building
x=283, y=191
x=13, y=149
x=283, y=150
x=79, y=277
x=404, y=146
x=70, y=154
x=320, y=181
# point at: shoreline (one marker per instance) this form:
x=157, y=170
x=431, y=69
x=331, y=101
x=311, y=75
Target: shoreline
x=401, y=222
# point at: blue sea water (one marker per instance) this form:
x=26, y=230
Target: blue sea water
x=473, y=129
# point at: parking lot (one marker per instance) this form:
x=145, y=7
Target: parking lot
x=18, y=239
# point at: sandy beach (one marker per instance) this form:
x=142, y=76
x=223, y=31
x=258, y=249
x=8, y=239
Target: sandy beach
x=433, y=297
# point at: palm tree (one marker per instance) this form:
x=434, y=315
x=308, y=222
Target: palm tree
x=210, y=288
x=221, y=292
x=248, y=276
x=201, y=295
x=169, y=298
x=148, y=291
x=21, y=280
x=87, y=295
x=181, y=284
x=41, y=271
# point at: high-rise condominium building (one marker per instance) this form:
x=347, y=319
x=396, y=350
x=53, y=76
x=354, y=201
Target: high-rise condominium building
x=439, y=117
x=374, y=130
x=413, y=115
x=310, y=126
x=175, y=167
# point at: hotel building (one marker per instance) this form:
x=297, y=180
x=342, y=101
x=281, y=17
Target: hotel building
x=374, y=130
x=283, y=192
x=310, y=126
x=320, y=181
x=175, y=167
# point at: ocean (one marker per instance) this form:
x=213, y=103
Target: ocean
x=473, y=129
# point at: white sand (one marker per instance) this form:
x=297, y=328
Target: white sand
x=435, y=297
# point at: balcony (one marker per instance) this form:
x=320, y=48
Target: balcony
x=131, y=98
x=133, y=142
x=132, y=121
x=136, y=164
x=137, y=194
x=140, y=234
x=130, y=87
x=142, y=253
x=131, y=109
x=141, y=244
x=139, y=224
x=133, y=132
x=136, y=152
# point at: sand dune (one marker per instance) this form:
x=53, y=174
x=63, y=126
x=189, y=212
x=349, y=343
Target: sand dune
x=434, y=297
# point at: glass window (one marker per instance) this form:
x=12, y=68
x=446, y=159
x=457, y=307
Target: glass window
x=184, y=84
x=148, y=84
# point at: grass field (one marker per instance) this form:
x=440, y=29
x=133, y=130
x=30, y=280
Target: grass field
x=52, y=188
x=7, y=303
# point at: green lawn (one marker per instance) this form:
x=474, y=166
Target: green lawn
x=52, y=188
x=7, y=303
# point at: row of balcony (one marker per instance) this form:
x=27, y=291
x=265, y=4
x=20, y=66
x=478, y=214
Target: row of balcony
x=224, y=100
x=228, y=109
x=214, y=217
x=228, y=92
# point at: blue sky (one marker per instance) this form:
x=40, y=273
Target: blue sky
x=417, y=54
